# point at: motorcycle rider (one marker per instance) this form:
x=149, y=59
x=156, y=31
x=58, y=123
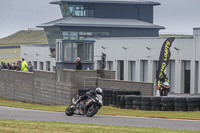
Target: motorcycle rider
x=162, y=79
x=98, y=93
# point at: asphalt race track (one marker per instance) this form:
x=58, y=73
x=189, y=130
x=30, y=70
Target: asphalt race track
x=36, y=115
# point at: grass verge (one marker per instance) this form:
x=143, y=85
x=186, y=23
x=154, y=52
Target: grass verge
x=10, y=51
x=108, y=110
x=20, y=126
x=10, y=59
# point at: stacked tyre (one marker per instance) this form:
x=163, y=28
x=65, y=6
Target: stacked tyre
x=110, y=92
x=106, y=97
x=115, y=93
x=122, y=102
x=137, y=102
x=167, y=103
x=118, y=100
x=129, y=101
x=193, y=103
x=180, y=104
x=156, y=104
x=146, y=103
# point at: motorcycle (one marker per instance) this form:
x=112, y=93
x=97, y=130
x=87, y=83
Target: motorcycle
x=88, y=107
x=164, y=88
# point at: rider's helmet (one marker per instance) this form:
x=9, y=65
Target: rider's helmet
x=99, y=91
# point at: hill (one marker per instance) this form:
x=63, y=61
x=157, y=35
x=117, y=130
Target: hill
x=25, y=37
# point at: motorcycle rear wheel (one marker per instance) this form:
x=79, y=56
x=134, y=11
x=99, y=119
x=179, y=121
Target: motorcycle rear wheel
x=70, y=110
x=92, y=110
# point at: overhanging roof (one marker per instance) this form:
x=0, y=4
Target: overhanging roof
x=99, y=22
x=108, y=2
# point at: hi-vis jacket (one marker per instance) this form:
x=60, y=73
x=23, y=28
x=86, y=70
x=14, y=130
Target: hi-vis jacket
x=24, y=66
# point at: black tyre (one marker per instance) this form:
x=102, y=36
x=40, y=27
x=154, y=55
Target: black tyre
x=137, y=98
x=179, y=99
x=122, y=103
x=133, y=93
x=137, y=103
x=167, y=99
x=168, y=104
x=192, y=99
x=129, y=102
x=146, y=103
x=147, y=98
x=156, y=108
x=156, y=103
x=129, y=97
x=92, y=110
x=168, y=108
x=156, y=99
x=184, y=104
x=129, y=106
x=193, y=109
x=180, y=108
x=70, y=110
x=146, y=107
x=195, y=104
x=136, y=107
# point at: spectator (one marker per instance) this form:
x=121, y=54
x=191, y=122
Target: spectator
x=78, y=64
x=1, y=65
x=30, y=67
x=19, y=66
x=9, y=66
x=14, y=66
x=24, y=65
x=4, y=66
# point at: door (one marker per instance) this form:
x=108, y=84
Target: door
x=120, y=70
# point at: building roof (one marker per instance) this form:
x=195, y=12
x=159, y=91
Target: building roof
x=108, y=1
x=100, y=22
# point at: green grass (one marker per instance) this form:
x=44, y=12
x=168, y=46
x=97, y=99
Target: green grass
x=108, y=110
x=10, y=51
x=20, y=126
x=9, y=59
x=25, y=37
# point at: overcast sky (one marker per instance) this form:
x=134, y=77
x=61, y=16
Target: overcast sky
x=175, y=15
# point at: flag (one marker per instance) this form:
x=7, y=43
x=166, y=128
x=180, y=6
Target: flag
x=164, y=56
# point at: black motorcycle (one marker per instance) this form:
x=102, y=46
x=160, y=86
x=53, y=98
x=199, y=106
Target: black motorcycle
x=164, y=89
x=88, y=107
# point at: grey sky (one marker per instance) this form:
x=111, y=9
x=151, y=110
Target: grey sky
x=174, y=15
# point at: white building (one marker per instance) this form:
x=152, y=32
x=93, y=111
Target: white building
x=136, y=59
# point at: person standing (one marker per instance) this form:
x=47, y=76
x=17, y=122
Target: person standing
x=19, y=66
x=78, y=64
x=24, y=65
x=30, y=67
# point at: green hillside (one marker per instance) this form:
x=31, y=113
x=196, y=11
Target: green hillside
x=25, y=37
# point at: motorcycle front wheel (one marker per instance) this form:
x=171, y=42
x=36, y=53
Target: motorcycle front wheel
x=92, y=110
x=70, y=110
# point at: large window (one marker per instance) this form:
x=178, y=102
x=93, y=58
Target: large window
x=70, y=35
x=74, y=51
x=131, y=70
x=65, y=10
x=75, y=35
x=52, y=36
x=41, y=66
x=88, y=51
x=67, y=51
x=110, y=65
x=81, y=10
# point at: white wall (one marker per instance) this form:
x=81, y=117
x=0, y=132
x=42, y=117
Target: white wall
x=134, y=49
x=39, y=54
